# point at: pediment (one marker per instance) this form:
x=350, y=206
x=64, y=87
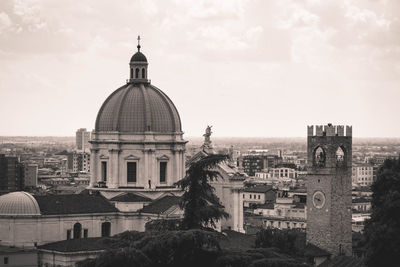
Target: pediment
x=131, y=157
x=103, y=156
x=163, y=157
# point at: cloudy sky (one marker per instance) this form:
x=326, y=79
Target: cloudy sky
x=249, y=68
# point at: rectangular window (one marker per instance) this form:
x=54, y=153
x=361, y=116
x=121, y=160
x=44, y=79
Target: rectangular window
x=131, y=172
x=85, y=233
x=104, y=171
x=68, y=234
x=163, y=172
x=5, y=260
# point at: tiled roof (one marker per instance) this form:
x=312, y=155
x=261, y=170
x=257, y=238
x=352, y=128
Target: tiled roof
x=130, y=197
x=136, y=108
x=75, y=245
x=161, y=205
x=258, y=189
x=343, y=261
x=269, y=206
x=73, y=204
x=314, y=251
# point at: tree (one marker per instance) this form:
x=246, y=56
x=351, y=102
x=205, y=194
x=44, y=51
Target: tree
x=383, y=229
x=290, y=241
x=201, y=206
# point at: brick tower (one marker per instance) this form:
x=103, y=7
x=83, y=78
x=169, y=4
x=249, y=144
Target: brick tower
x=329, y=151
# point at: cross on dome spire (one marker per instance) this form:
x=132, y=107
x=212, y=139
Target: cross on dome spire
x=138, y=43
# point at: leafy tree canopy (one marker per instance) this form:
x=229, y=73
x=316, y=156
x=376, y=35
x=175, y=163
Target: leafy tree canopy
x=383, y=229
x=290, y=241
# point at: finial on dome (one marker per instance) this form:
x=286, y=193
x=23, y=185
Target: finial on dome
x=138, y=43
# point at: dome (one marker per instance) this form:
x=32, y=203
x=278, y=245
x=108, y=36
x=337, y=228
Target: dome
x=139, y=57
x=137, y=108
x=18, y=203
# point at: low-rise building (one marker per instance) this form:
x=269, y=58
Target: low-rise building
x=18, y=257
x=260, y=194
x=362, y=175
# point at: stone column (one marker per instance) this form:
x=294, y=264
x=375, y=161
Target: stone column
x=145, y=178
x=93, y=167
x=113, y=181
x=175, y=174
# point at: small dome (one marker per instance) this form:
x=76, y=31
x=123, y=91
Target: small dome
x=138, y=57
x=18, y=203
x=138, y=108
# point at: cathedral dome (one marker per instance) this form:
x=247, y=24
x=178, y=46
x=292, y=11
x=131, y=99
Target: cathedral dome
x=18, y=203
x=138, y=108
x=139, y=57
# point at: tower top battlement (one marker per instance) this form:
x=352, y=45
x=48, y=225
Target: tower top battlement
x=329, y=130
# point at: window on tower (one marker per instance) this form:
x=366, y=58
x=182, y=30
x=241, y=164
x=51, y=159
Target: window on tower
x=319, y=157
x=137, y=73
x=339, y=156
x=143, y=73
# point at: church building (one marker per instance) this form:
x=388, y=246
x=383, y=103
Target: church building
x=137, y=144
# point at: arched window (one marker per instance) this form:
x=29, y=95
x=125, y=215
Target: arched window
x=105, y=229
x=143, y=73
x=77, y=230
x=131, y=73
x=340, y=155
x=319, y=157
x=137, y=73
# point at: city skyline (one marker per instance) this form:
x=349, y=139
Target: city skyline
x=249, y=68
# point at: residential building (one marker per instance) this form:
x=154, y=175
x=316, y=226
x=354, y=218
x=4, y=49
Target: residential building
x=11, y=174
x=78, y=162
x=252, y=163
x=82, y=140
x=260, y=194
x=362, y=175
x=30, y=175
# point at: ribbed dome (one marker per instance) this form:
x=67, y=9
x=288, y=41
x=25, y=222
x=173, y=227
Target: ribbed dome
x=18, y=203
x=139, y=56
x=137, y=108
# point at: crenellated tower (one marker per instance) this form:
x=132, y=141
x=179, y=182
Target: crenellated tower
x=329, y=150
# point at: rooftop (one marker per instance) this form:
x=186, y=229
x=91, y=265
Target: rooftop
x=313, y=250
x=18, y=203
x=75, y=245
x=130, y=197
x=74, y=204
x=258, y=189
x=161, y=205
x=343, y=261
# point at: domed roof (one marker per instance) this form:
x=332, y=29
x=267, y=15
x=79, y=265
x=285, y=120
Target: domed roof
x=18, y=203
x=137, y=108
x=139, y=56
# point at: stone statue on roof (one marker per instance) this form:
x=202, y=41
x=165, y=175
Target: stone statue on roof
x=207, y=146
